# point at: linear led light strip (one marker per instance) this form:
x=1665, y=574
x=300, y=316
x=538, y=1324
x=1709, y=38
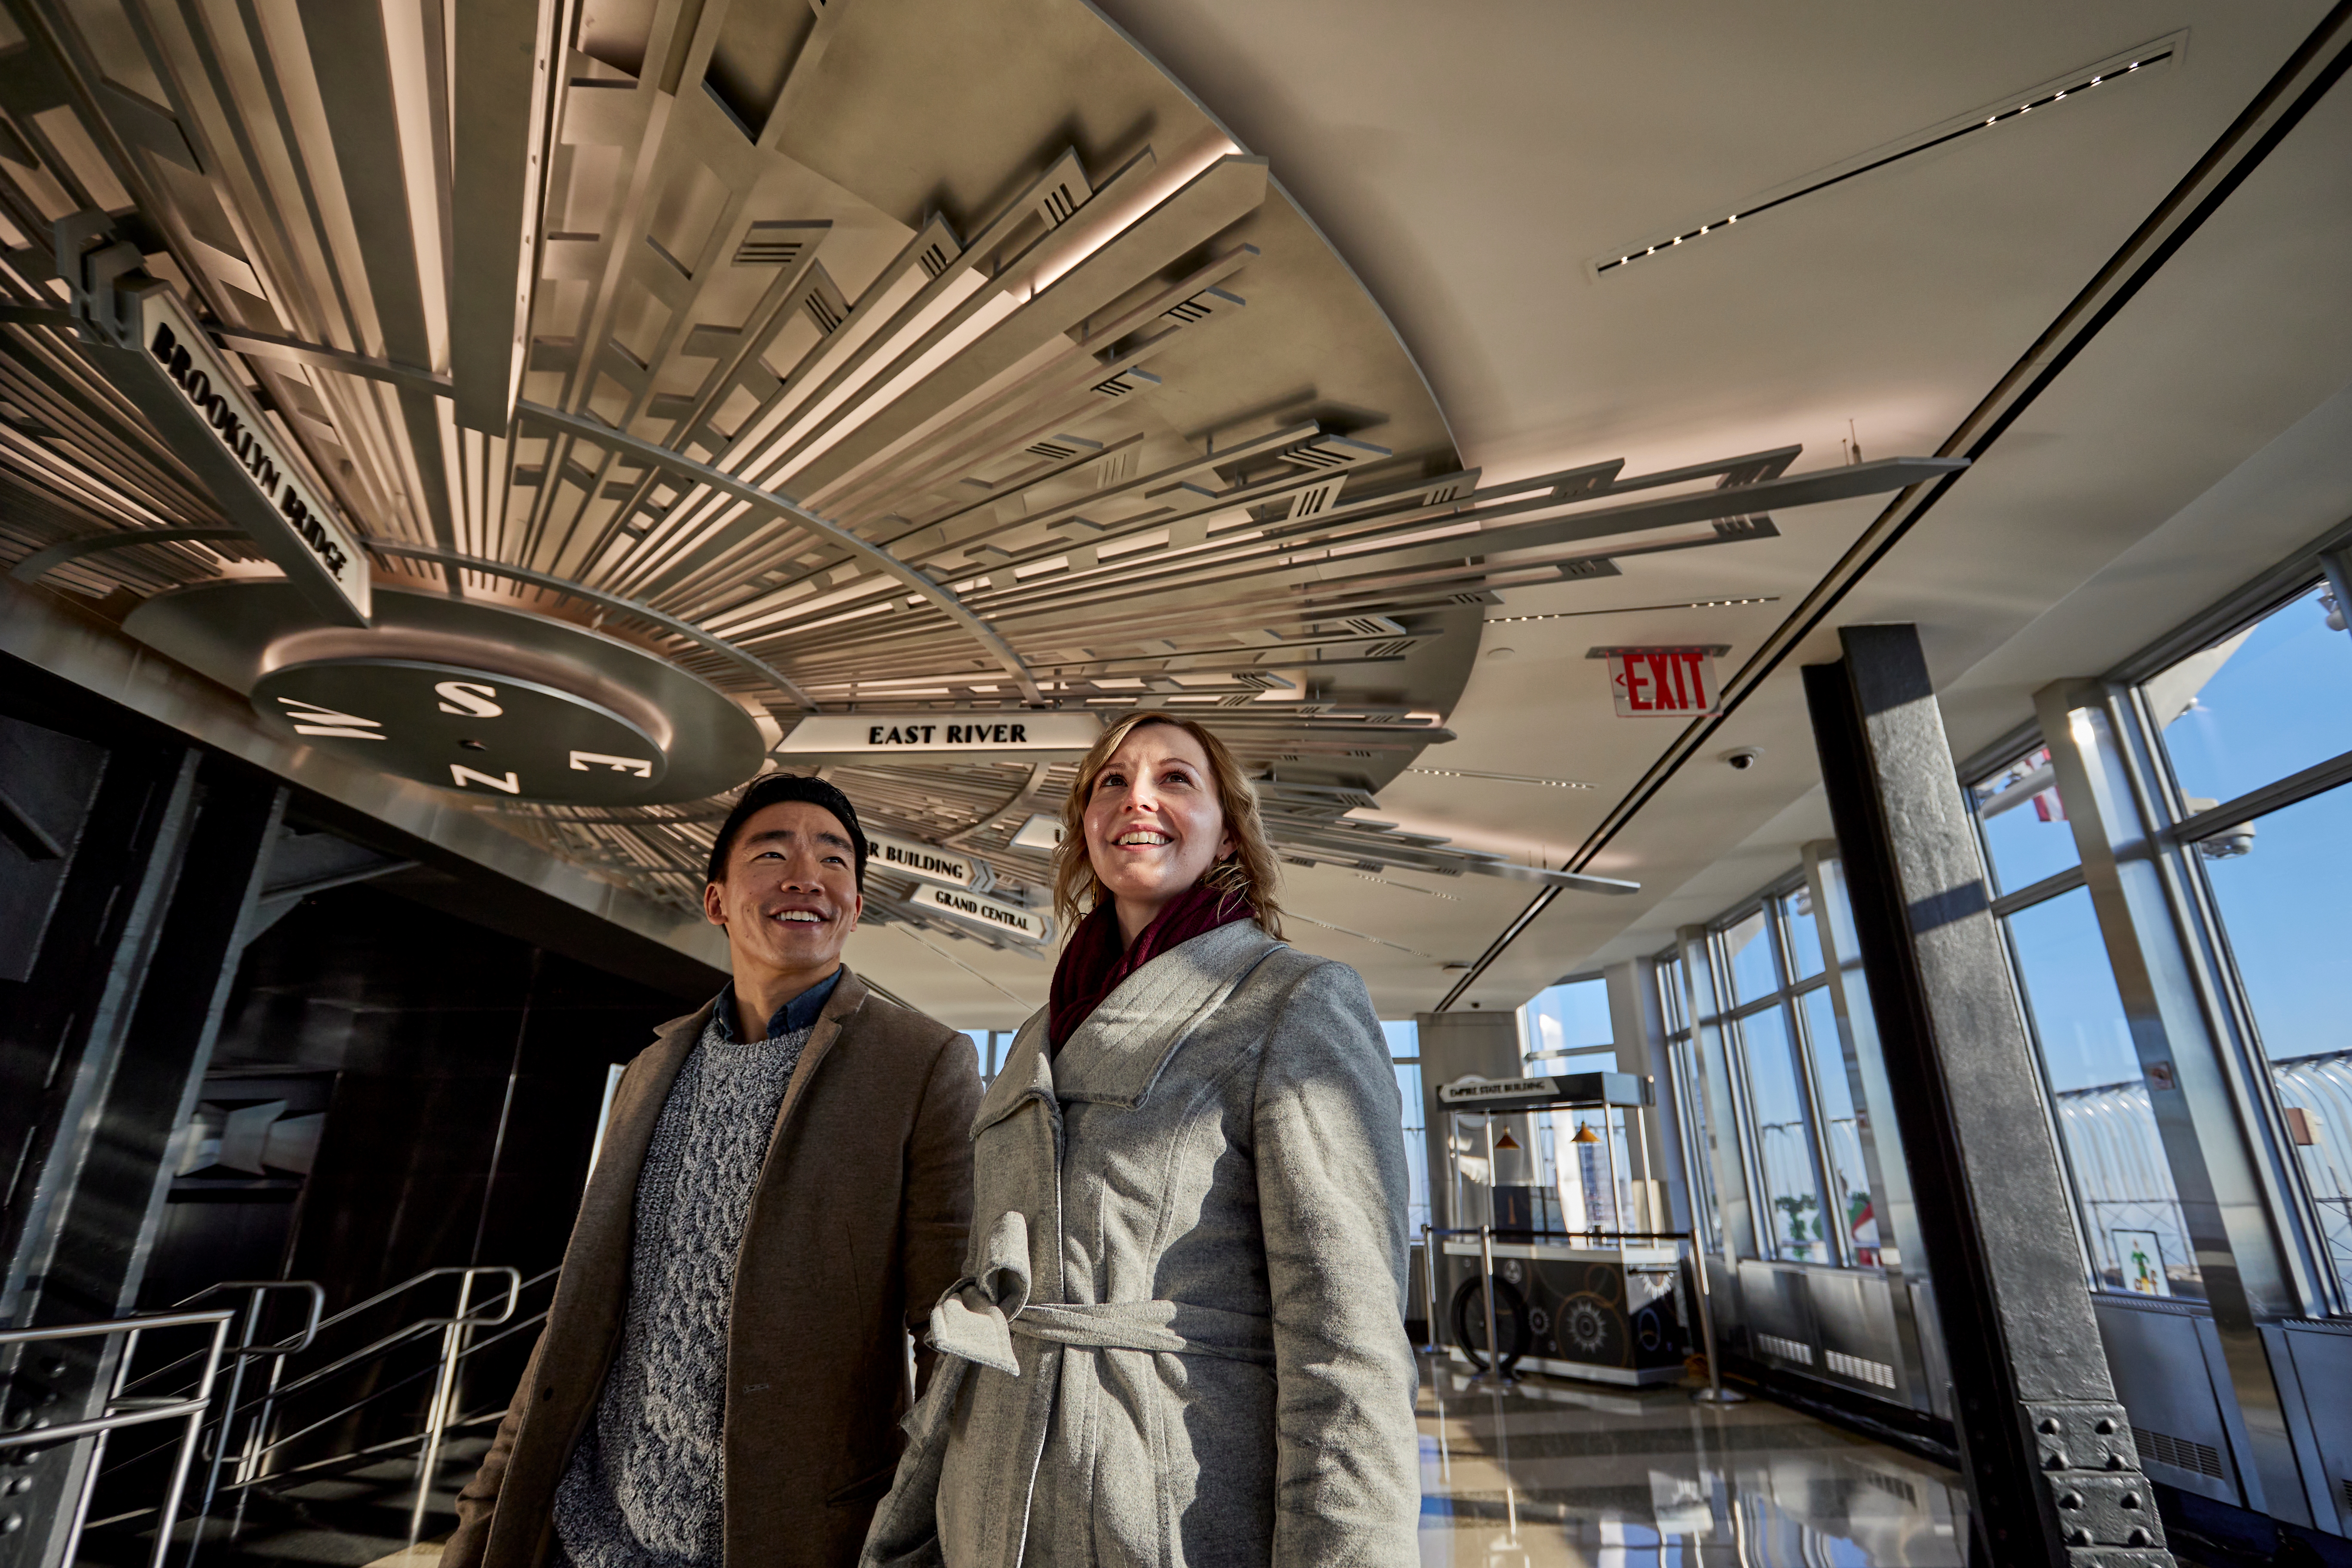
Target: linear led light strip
x=1636, y=609
x=2154, y=54
x=1501, y=778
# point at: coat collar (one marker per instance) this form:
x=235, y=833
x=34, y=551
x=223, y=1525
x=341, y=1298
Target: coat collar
x=1117, y=1055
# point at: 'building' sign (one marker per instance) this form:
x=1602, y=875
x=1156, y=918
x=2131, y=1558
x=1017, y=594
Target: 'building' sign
x=927, y=861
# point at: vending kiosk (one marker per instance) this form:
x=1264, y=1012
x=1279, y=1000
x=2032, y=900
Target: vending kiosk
x=1585, y=1278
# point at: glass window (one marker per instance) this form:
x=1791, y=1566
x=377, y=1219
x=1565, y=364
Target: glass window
x=1747, y=953
x=2261, y=703
x=1416, y=1146
x=1699, y=1139
x=2025, y=833
x=1804, y=941
x=1784, y=1144
x=2279, y=892
x=2122, y=1182
x=1570, y=1016
x=1405, y=1047
x=1670, y=993
x=1842, y=1159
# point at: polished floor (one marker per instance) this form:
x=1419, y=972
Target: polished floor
x=1561, y=1475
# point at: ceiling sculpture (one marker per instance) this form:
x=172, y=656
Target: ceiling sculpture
x=893, y=387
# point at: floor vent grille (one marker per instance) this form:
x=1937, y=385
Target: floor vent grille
x=1860, y=1368
x=1787, y=1350
x=2202, y=1458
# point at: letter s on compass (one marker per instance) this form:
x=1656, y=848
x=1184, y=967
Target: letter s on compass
x=470, y=699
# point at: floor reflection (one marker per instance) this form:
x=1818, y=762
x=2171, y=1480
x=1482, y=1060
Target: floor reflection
x=1554, y=1474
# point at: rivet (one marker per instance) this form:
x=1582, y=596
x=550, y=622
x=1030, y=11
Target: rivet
x=2078, y=1537
x=2139, y=1538
x=2105, y=1424
x=11, y=1524
x=2071, y=1499
x=2129, y=1499
x=2055, y=1460
x=2049, y=1423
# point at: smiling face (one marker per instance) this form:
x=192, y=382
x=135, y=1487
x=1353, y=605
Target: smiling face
x=790, y=898
x=1153, y=821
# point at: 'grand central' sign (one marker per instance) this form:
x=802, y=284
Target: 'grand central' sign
x=1010, y=920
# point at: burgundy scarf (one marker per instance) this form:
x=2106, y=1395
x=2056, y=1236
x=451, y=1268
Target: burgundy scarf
x=1093, y=966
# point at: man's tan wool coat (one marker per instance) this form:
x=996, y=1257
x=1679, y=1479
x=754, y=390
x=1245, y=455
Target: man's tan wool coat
x=856, y=1226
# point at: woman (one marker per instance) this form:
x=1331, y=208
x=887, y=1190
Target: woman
x=1179, y=1338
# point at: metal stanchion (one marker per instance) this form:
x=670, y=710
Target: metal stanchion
x=1714, y=1393
x=1494, y=1377
x=1429, y=1245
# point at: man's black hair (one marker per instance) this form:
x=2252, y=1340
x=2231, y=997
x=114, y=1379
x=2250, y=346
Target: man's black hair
x=762, y=794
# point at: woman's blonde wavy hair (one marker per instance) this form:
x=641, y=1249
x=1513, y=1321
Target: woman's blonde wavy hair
x=1249, y=870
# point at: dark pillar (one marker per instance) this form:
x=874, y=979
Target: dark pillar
x=2048, y=1450
x=129, y=876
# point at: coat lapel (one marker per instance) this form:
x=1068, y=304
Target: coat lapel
x=1026, y=1075
x=611, y=1204
x=1117, y=1055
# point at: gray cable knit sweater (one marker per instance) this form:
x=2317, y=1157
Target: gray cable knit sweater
x=645, y=1486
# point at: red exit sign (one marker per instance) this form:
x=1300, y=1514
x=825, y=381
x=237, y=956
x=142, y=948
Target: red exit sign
x=1661, y=682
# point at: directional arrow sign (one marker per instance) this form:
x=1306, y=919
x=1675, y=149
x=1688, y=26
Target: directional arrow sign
x=1022, y=925
x=927, y=861
x=199, y=405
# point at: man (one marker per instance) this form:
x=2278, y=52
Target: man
x=783, y=1192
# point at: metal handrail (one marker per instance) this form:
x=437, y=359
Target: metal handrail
x=123, y=1410
x=256, y=1293
x=390, y=1388
x=258, y=1440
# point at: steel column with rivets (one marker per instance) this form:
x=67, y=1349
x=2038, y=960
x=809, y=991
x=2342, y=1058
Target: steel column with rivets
x=2052, y=1470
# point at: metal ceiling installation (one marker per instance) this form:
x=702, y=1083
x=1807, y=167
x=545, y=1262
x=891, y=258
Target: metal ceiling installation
x=903, y=367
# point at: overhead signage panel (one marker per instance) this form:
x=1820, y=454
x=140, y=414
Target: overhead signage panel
x=199, y=405
x=1663, y=682
x=1592, y=1089
x=1010, y=919
x=932, y=736
x=927, y=861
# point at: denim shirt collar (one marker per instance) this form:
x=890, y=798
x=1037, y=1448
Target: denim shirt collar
x=795, y=1015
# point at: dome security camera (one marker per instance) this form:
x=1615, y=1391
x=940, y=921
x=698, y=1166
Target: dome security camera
x=1739, y=759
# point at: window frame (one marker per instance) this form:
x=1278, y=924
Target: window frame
x=1729, y=1016
x=2015, y=749
x=2178, y=835
x=2190, y=903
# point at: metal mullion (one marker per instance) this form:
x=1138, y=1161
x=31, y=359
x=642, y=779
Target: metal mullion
x=2049, y=887
x=2292, y=790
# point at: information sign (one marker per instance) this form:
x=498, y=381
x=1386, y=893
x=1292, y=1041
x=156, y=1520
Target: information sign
x=928, y=861
x=1022, y=925
x=939, y=733
x=200, y=406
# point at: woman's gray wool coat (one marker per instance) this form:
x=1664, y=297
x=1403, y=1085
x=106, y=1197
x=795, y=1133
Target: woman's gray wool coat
x=1180, y=1339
